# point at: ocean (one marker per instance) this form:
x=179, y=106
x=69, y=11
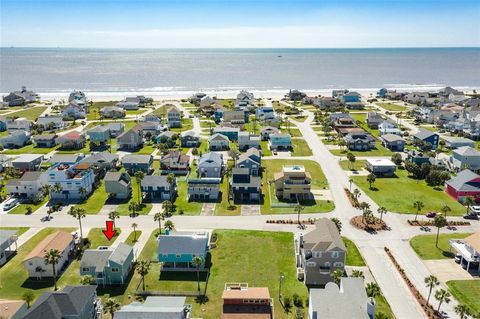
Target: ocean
x=123, y=71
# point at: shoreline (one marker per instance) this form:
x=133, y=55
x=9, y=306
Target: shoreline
x=159, y=94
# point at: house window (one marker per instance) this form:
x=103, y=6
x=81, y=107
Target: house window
x=85, y=269
x=178, y=256
x=317, y=254
x=114, y=269
x=335, y=254
x=311, y=264
x=338, y=264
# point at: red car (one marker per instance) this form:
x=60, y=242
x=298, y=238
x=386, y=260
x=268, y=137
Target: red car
x=431, y=214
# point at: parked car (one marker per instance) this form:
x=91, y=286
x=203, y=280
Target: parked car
x=9, y=204
x=458, y=258
x=470, y=216
x=431, y=214
x=474, y=210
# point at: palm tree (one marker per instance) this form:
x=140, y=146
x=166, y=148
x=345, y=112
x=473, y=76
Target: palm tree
x=110, y=306
x=169, y=225
x=431, y=282
x=167, y=207
x=337, y=223
x=445, y=209
x=381, y=315
x=171, y=180
x=28, y=297
x=139, y=175
x=198, y=261
x=57, y=188
x=142, y=268
x=52, y=257
x=134, y=226
x=46, y=190
x=351, y=160
x=158, y=217
x=228, y=174
x=356, y=193
x=49, y=213
x=373, y=290
x=439, y=221
x=357, y=274
x=381, y=210
x=442, y=296
x=78, y=213
x=83, y=192
x=113, y=215
x=418, y=205
x=298, y=209
x=371, y=179
x=463, y=311
x=469, y=201
x=337, y=274
x=87, y=280
x=132, y=207
x=350, y=182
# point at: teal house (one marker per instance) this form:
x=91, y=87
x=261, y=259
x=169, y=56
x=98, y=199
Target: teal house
x=177, y=250
x=99, y=135
x=280, y=142
x=230, y=132
x=108, y=265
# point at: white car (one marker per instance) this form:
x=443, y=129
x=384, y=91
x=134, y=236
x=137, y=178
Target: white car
x=475, y=210
x=10, y=203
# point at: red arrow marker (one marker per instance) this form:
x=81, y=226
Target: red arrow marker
x=110, y=232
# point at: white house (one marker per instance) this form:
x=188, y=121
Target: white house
x=19, y=124
x=28, y=186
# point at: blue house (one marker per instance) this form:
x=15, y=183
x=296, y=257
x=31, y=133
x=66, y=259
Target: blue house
x=108, y=265
x=218, y=114
x=133, y=163
x=177, y=250
x=381, y=93
x=351, y=97
x=417, y=157
x=280, y=142
x=252, y=160
x=157, y=187
x=3, y=124
x=99, y=135
x=230, y=132
x=427, y=137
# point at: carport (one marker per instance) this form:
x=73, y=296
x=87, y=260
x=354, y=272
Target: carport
x=468, y=248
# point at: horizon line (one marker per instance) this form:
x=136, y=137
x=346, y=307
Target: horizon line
x=245, y=48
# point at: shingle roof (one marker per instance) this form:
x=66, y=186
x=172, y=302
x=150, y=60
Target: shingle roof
x=66, y=158
x=423, y=134
x=136, y=159
x=99, y=129
x=154, y=180
x=324, y=237
x=391, y=138
x=99, y=258
x=102, y=157
x=182, y=243
x=58, y=240
x=210, y=158
x=462, y=182
x=467, y=151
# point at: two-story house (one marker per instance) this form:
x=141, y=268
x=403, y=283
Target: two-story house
x=108, y=265
x=130, y=140
x=359, y=141
x=427, y=136
x=99, y=135
x=174, y=117
x=112, y=112
x=176, y=250
x=321, y=251
x=175, y=161
x=203, y=189
x=247, y=140
x=252, y=160
x=244, y=187
x=190, y=139
x=45, y=140
x=28, y=186
x=465, y=157
x=15, y=139
x=76, y=181
x=293, y=183
x=230, y=132
x=27, y=162
x=133, y=163
x=210, y=165
x=34, y=262
x=71, y=141
x=388, y=127
x=154, y=186
x=218, y=142
x=118, y=185
x=280, y=142
x=266, y=131
x=51, y=123
x=19, y=124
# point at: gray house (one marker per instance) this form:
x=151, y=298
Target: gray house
x=393, y=142
x=266, y=131
x=45, y=140
x=210, y=165
x=102, y=160
x=252, y=160
x=74, y=302
x=133, y=163
x=28, y=162
x=7, y=239
x=350, y=300
x=380, y=166
x=203, y=189
x=218, y=142
x=465, y=157
x=319, y=253
x=374, y=119
x=456, y=142
x=51, y=122
x=158, y=187
x=118, y=185
x=130, y=140
x=66, y=158
x=190, y=139
x=15, y=139
x=154, y=307
x=244, y=187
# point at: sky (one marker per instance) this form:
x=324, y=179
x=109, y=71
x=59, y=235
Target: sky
x=239, y=24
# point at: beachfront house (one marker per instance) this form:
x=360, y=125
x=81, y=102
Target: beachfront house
x=373, y=120
x=468, y=249
x=34, y=262
x=264, y=113
x=101, y=160
x=454, y=142
x=359, y=141
x=22, y=97
x=176, y=250
x=74, y=111
x=388, y=127
x=108, y=265
x=99, y=136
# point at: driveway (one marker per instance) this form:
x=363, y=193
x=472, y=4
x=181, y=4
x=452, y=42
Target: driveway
x=250, y=210
x=447, y=269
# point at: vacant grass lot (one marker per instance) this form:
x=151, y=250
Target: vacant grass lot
x=133, y=237
x=95, y=202
x=14, y=277
x=392, y=107
x=466, y=292
x=97, y=238
x=379, y=150
x=94, y=109
x=30, y=149
x=357, y=165
x=30, y=113
x=424, y=245
x=354, y=258
x=385, y=193
x=122, y=209
x=182, y=203
x=187, y=124
x=300, y=148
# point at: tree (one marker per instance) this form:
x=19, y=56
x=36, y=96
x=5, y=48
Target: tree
x=171, y=179
x=113, y=215
x=29, y=210
x=298, y=209
x=49, y=213
x=357, y=274
x=337, y=274
x=83, y=192
x=234, y=153
x=463, y=311
x=52, y=257
x=350, y=182
x=167, y=207
x=442, y=296
x=445, y=209
x=87, y=280
x=418, y=205
x=397, y=159
x=46, y=190
x=228, y=173
x=373, y=290
x=132, y=207
x=431, y=282
x=142, y=268
x=134, y=226
x=381, y=315
x=198, y=261
x=356, y=193
x=28, y=297
x=57, y=188
x=371, y=179
x=439, y=221
x=337, y=223
x=169, y=225
x=469, y=201
x=381, y=210
x=158, y=217
x=139, y=175
x=351, y=160
x=437, y=177
x=342, y=143
x=110, y=306
x=78, y=213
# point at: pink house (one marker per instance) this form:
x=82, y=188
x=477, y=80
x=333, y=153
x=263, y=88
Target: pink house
x=465, y=184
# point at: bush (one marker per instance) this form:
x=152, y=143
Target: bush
x=287, y=302
x=297, y=301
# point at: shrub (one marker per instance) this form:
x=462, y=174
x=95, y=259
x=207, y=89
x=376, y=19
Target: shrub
x=287, y=302
x=297, y=301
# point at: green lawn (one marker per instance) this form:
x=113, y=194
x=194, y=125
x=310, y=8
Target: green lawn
x=300, y=148
x=385, y=190
x=379, y=150
x=22, y=208
x=30, y=113
x=182, y=203
x=318, y=182
x=392, y=107
x=187, y=124
x=136, y=112
x=20, y=230
x=354, y=258
x=95, y=202
x=147, y=149
x=30, y=149
x=133, y=237
x=357, y=165
x=94, y=109
x=265, y=149
x=97, y=238
x=383, y=306
x=466, y=292
x=222, y=207
x=14, y=277
x=293, y=131
x=122, y=209
x=424, y=245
